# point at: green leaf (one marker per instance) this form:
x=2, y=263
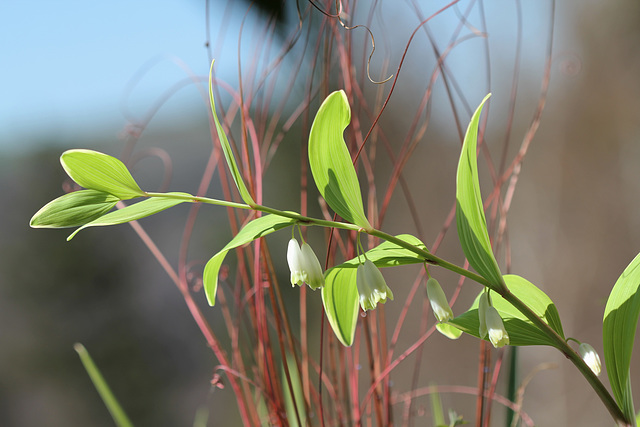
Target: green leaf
x=74, y=209
x=472, y=225
x=298, y=394
x=619, y=331
x=255, y=229
x=110, y=401
x=389, y=254
x=340, y=293
x=331, y=163
x=133, y=212
x=520, y=329
x=99, y=171
x=340, y=300
x=226, y=148
x=449, y=331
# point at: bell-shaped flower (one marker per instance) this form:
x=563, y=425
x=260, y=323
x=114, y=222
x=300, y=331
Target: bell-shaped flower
x=438, y=300
x=483, y=303
x=304, y=265
x=590, y=357
x=371, y=286
x=495, y=327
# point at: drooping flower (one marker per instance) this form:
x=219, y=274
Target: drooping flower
x=371, y=286
x=482, y=310
x=495, y=327
x=590, y=357
x=491, y=322
x=438, y=300
x=304, y=265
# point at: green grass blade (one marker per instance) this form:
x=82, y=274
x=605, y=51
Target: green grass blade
x=436, y=407
x=470, y=219
x=292, y=415
x=512, y=383
x=101, y=385
x=202, y=417
x=331, y=163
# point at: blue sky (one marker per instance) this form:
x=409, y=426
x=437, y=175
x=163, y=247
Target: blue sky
x=66, y=64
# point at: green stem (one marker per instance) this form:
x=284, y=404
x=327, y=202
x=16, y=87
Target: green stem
x=190, y=198
x=602, y=392
x=304, y=220
x=431, y=258
x=558, y=341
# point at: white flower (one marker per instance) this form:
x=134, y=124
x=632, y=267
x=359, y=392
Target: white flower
x=491, y=323
x=371, y=286
x=438, y=300
x=590, y=357
x=497, y=333
x=304, y=265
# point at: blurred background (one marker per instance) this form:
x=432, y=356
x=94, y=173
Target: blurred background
x=108, y=76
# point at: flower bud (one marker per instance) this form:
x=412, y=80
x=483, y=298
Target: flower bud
x=438, y=300
x=590, y=357
x=371, y=286
x=497, y=333
x=483, y=303
x=315, y=278
x=304, y=265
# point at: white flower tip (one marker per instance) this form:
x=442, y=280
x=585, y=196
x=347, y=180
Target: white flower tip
x=590, y=357
x=371, y=286
x=438, y=300
x=304, y=265
x=315, y=277
x=497, y=333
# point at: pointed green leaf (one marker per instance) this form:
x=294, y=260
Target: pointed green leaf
x=98, y=171
x=619, y=331
x=74, y=209
x=109, y=399
x=226, y=148
x=255, y=229
x=340, y=300
x=472, y=225
x=449, y=331
x=389, y=254
x=520, y=329
x=331, y=163
x=133, y=212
